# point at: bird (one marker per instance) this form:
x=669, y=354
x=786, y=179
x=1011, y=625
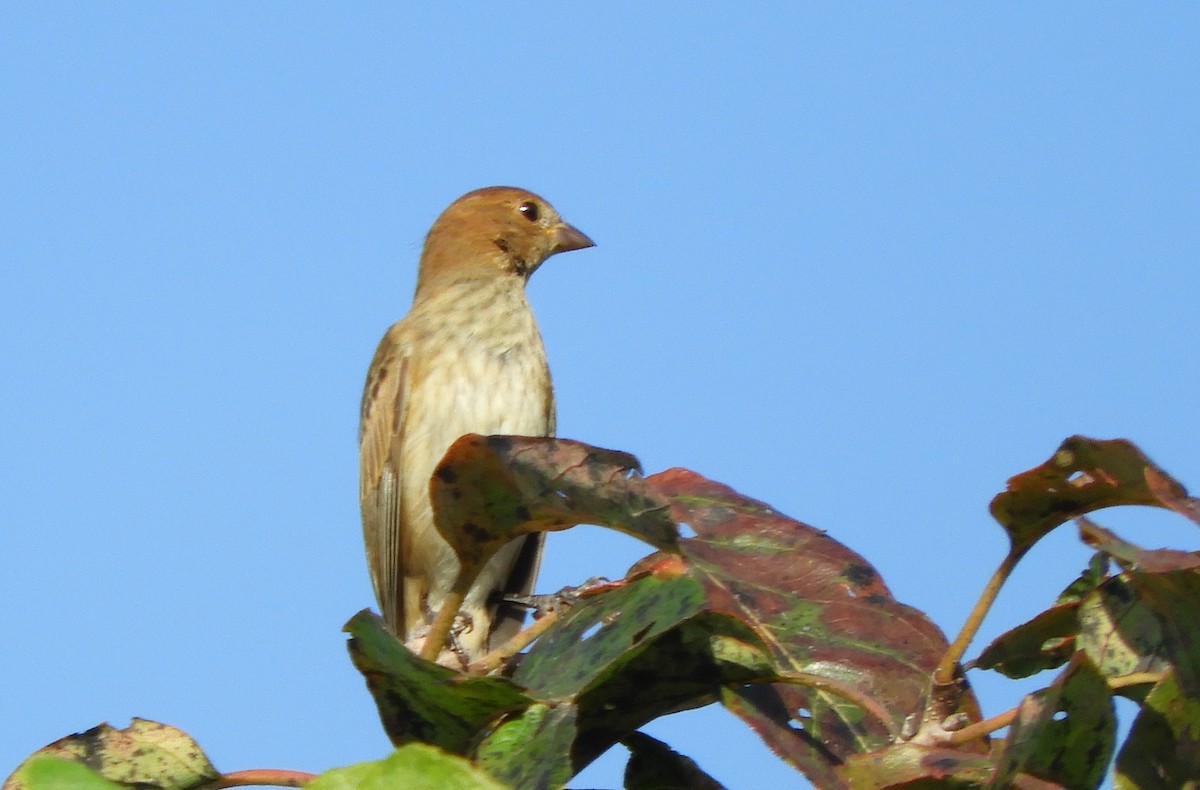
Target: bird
x=467, y=358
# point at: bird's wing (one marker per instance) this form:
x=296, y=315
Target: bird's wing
x=379, y=439
x=510, y=617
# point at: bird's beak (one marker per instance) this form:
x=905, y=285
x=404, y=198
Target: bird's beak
x=567, y=238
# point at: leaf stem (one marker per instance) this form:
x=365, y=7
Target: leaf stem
x=261, y=777
x=944, y=673
x=1135, y=679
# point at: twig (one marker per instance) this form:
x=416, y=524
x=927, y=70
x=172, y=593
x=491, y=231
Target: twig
x=982, y=728
x=519, y=642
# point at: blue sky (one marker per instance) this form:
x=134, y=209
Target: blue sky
x=861, y=261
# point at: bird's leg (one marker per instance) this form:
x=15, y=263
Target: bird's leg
x=440, y=629
x=520, y=640
x=416, y=639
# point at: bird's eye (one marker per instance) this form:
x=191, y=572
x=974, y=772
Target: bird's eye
x=530, y=210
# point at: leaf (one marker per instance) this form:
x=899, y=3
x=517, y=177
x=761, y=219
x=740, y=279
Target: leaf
x=754, y=599
x=1048, y=640
x=825, y=614
x=533, y=749
x=655, y=766
x=1064, y=733
x=1172, y=495
x=1133, y=623
x=644, y=649
x=47, y=772
x=415, y=765
x=145, y=753
x=1163, y=748
x=489, y=490
x=1132, y=557
x=1045, y=642
x=422, y=701
x=1083, y=475
x=908, y=765
x=1091, y=578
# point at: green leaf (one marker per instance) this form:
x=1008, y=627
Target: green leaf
x=47, y=772
x=599, y=633
x=1144, y=622
x=1064, y=733
x=422, y=701
x=645, y=648
x=1092, y=577
x=1048, y=640
x=1045, y=642
x=533, y=749
x=914, y=767
x=1163, y=748
x=655, y=766
x=414, y=766
x=144, y=753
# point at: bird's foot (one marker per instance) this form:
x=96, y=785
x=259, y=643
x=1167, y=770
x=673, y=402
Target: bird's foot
x=463, y=624
x=559, y=601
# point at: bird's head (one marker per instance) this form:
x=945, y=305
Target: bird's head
x=495, y=232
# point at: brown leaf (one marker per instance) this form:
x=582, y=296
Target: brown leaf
x=489, y=490
x=1172, y=495
x=1133, y=557
x=825, y=613
x=1083, y=475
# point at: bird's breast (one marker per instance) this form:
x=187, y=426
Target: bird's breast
x=480, y=368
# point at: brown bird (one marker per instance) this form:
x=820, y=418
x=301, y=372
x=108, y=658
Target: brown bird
x=468, y=358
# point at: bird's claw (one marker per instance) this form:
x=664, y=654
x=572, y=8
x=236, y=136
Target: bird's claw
x=558, y=601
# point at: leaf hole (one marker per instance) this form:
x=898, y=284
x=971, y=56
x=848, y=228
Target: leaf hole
x=685, y=530
x=1079, y=479
x=1060, y=715
x=590, y=631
